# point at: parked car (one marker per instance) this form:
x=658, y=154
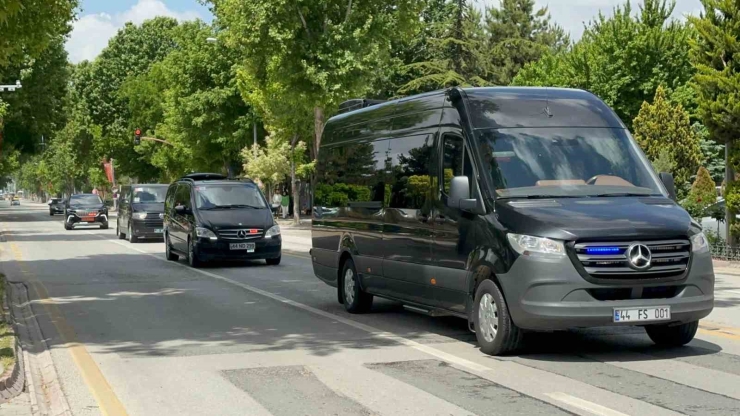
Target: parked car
x=56, y=206
x=514, y=208
x=208, y=217
x=86, y=209
x=141, y=212
x=15, y=201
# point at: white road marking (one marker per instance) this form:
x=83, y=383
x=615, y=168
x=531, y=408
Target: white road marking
x=590, y=407
x=450, y=358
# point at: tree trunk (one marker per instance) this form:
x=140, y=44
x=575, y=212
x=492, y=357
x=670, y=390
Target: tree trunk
x=1, y=136
x=293, y=184
x=729, y=177
x=318, y=120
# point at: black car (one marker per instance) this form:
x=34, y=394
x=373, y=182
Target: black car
x=208, y=217
x=517, y=209
x=56, y=206
x=140, y=212
x=85, y=209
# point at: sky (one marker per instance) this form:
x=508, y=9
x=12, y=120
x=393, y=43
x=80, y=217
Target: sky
x=99, y=20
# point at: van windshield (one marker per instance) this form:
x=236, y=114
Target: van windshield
x=227, y=196
x=565, y=162
x=149, y=194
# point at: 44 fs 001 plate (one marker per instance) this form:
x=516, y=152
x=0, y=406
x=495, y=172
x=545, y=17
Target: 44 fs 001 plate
x=644, y=314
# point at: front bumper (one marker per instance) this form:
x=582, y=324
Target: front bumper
x=101, y=218
x=549, y=294
x=265, y=248
x=148, y=228
x=57, y=210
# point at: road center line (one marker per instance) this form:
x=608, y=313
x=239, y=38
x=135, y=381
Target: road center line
x=96, y=382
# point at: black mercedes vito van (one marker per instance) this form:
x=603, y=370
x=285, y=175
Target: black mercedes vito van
x=209, y=217
x=141, y=212
x=514, y=208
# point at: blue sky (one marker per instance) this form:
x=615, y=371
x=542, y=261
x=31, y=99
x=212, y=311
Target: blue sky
x=99, y=20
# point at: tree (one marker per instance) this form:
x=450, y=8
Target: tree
x=455, y=51
x=517, y=35
x=717, y=81
x=322, y=52
x=28, y=27
x=271, y=164
x=713, y=153
x=622, y=58
x=662, y=126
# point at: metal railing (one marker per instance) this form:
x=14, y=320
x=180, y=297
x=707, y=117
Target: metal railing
x=725, y=252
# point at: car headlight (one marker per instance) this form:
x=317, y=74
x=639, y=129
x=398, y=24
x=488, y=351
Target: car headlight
x=161, y=215
x=205, y=233
x=528, y=245
x=140, y=215
x=274, y=231
x=699, y=242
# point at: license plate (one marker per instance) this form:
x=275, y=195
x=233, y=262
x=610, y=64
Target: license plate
x=158, y=231
x=652, y=313
x=242, y=246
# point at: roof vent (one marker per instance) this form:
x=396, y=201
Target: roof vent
x=204, y=176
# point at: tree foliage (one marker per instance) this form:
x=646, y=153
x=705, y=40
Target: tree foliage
x=622, y=58
x=662, y=126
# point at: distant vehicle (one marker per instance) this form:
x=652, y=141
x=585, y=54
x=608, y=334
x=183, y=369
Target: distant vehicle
x=208, y=217
x=15, y=201
x=86, y=209
x=513, y=208
x=141, y=212
x=56, y=206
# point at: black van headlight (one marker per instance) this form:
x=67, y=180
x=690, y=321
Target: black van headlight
x=274, y=231
x=528, y=245
x=203, y=232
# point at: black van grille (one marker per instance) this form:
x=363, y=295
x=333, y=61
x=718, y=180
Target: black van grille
x=608, y=260
x=241, y=234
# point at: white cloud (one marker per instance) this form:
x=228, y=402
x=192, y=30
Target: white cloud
x=91, y=32
x=572, y=14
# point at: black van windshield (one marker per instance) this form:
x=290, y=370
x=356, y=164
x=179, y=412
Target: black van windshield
x=565, y=162
x=227, y=196
x=149, y=194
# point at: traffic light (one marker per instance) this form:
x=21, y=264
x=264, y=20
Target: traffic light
x=137, y=136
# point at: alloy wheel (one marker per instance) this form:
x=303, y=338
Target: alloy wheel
x=349, y=286
x=488, y=317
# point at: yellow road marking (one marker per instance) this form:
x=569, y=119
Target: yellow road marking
x=717, y=330
x=108, y=402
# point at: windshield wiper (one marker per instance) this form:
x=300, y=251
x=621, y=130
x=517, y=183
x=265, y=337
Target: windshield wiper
x=539, y=196
x=623, y=194
x=245, y=206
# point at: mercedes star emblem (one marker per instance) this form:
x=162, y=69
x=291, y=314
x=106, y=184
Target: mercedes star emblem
x=242, y=233
x=639, y=256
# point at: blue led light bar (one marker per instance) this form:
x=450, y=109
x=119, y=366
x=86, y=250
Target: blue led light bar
x=603, y=250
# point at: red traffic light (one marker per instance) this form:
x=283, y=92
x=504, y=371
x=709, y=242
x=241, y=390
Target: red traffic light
x=137, y=132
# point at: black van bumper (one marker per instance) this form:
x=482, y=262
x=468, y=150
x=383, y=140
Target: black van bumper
x=265, y=248
x=147, y=229
x=549, y=294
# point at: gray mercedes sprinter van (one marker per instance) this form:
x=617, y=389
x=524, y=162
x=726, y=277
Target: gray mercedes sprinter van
x=515, y=208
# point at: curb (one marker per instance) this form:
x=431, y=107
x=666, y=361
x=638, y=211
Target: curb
x=13, y=379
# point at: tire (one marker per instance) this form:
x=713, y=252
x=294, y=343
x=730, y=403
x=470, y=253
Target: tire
x=168, y=250
x=104, y=226
x=355, y=299
x=496, y=332
x=672, y=336
x=273, y=262
x=67, y=226
x=193, y=259
x=51, y=213
x=119, y=234
x=133, y=239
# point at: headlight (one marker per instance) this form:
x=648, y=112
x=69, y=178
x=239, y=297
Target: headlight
x=205, y=233
x=699, y=242
x=140, y=215
x=274, y=231
x=536, y=246
x=161, y=216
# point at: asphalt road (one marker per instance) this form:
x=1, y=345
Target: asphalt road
x=131, y=333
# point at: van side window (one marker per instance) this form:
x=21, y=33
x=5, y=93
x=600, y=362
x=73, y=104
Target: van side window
x=183, y=195
x=456, y=160
x=410, y=160
x=352, y=175
x=170, y=199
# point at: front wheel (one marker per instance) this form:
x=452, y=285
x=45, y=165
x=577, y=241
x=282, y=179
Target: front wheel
x=355, y=299
x=168, y=250
x=104, y=226
x=672, y=336
x=193, y=260
x=273, y=262
x=133, y=239
x=67, y=226
x=496, y=332
x=120, y=235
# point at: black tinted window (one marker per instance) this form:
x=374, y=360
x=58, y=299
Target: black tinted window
x=410, y=160
x=85, y=200
x=149, y=194
x=456, y=160
x=228, y=196
x=353, y=175
x=182, y=195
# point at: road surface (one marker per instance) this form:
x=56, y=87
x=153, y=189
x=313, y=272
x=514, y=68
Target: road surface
x=131, y=333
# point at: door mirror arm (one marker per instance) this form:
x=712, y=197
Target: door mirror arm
x=670, y=186
x=460, y=196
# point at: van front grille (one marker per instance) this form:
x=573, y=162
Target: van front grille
x=610, y=260
x=241, y=234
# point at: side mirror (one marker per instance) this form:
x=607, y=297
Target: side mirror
x=460, y=194
x=667, y=180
